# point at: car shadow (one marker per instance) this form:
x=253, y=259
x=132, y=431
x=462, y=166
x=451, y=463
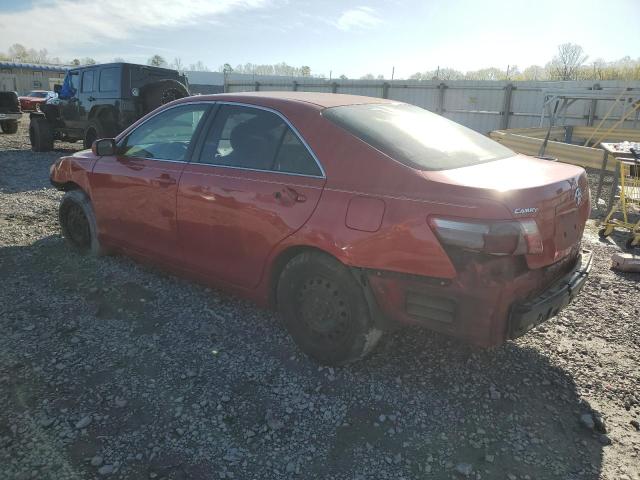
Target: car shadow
x=422, y=404
x=506, y=410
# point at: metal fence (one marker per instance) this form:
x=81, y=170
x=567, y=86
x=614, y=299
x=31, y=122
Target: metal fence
x=481, y=105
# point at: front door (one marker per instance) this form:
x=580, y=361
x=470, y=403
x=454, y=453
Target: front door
x=134, y=192
x=252, y=183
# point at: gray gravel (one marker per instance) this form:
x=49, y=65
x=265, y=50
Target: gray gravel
x=110, y=369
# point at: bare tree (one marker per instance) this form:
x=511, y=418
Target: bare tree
x=566, y=64
x=305, y=71
x=199, y=66
x=177, y=63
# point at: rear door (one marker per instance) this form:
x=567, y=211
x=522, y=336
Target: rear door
x=252, y=183
x=134, y=192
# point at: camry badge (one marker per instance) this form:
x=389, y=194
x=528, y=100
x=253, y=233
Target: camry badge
x=577, y=196
x=525, y=211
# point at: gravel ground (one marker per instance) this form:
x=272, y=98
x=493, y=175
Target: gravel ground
x=110, y=369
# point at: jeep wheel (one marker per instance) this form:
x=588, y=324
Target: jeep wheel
x=324, y=309
x=159, y=93
x=97, y=129
x=9, y=126
x=78, y=223
x=40, y=135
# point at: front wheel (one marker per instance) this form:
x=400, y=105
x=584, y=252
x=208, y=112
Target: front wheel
x=324, y=309
x=78, y=223
x=9, y=126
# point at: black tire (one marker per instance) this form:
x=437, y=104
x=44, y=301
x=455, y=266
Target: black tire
x=9, y=126
x=324, y=309
x=97, y=129
x=78, y=223
x=159, y=93
x=40, y=135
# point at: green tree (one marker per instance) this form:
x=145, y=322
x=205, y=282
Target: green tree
x=157, y=61
x=305, y=71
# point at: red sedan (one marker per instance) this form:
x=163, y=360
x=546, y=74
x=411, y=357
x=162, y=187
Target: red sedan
x=348, y=214
x=31, y=101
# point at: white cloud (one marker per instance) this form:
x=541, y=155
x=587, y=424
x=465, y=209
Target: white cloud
x=59, y=24
x=358, y=18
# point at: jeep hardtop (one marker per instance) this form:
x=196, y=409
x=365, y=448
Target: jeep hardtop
x=100, y=101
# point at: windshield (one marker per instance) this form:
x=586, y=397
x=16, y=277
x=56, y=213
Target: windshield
x=37, y=94
x=416, y=137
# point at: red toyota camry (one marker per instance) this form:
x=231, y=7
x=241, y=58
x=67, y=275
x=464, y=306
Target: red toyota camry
x=348, y=214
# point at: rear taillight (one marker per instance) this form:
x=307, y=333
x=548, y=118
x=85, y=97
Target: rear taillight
x=516, y=237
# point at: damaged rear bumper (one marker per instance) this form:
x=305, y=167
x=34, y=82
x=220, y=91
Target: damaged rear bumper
x=526, y=315
x=477, y=308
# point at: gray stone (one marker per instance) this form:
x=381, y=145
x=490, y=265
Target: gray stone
x=83, y=422
x=464, y=469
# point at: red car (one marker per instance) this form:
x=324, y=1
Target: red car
x=33, y=99
x=350, y=215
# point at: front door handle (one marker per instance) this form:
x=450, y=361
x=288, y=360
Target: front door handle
x=166, y=180
x=91, y=99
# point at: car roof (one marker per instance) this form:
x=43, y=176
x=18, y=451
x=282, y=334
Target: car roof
x=319, y=99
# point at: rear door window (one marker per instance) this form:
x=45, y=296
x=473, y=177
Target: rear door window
x=256, y=139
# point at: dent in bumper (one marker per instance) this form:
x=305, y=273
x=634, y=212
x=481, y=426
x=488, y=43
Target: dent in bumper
x=476, y=309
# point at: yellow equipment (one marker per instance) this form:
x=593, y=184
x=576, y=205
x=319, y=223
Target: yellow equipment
x=628, y=202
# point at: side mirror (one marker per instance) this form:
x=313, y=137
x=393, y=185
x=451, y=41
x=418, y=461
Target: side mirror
x=57, y=88
x=104, y=147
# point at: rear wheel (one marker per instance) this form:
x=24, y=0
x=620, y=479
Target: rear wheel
x=40, y=135
x=97, y=129
x=78, y=223
x=324, y=309
x=9, y=126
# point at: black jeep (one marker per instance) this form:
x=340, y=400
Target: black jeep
x=100, y=101
x=10, y=112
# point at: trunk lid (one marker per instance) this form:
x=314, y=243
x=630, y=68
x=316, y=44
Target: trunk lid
x=555, y=194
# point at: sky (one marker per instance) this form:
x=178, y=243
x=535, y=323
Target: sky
x=342, y=37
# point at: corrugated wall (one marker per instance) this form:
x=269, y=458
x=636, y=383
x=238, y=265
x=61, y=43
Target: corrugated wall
x=477, y=104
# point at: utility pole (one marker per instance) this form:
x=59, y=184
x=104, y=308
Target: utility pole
x=330, y=72
x=393, y=71
x=508, y=71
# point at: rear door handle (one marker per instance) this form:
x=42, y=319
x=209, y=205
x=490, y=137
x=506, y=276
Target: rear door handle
x=291, y=194
x=166, y=180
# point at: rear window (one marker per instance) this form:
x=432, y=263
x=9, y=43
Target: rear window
x=109, y=79
x=416, y=137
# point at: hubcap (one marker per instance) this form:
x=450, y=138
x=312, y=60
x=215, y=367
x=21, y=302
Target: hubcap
x=324, y=310
x=77, y=226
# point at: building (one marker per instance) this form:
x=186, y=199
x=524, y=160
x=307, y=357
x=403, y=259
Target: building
x=24, y=77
